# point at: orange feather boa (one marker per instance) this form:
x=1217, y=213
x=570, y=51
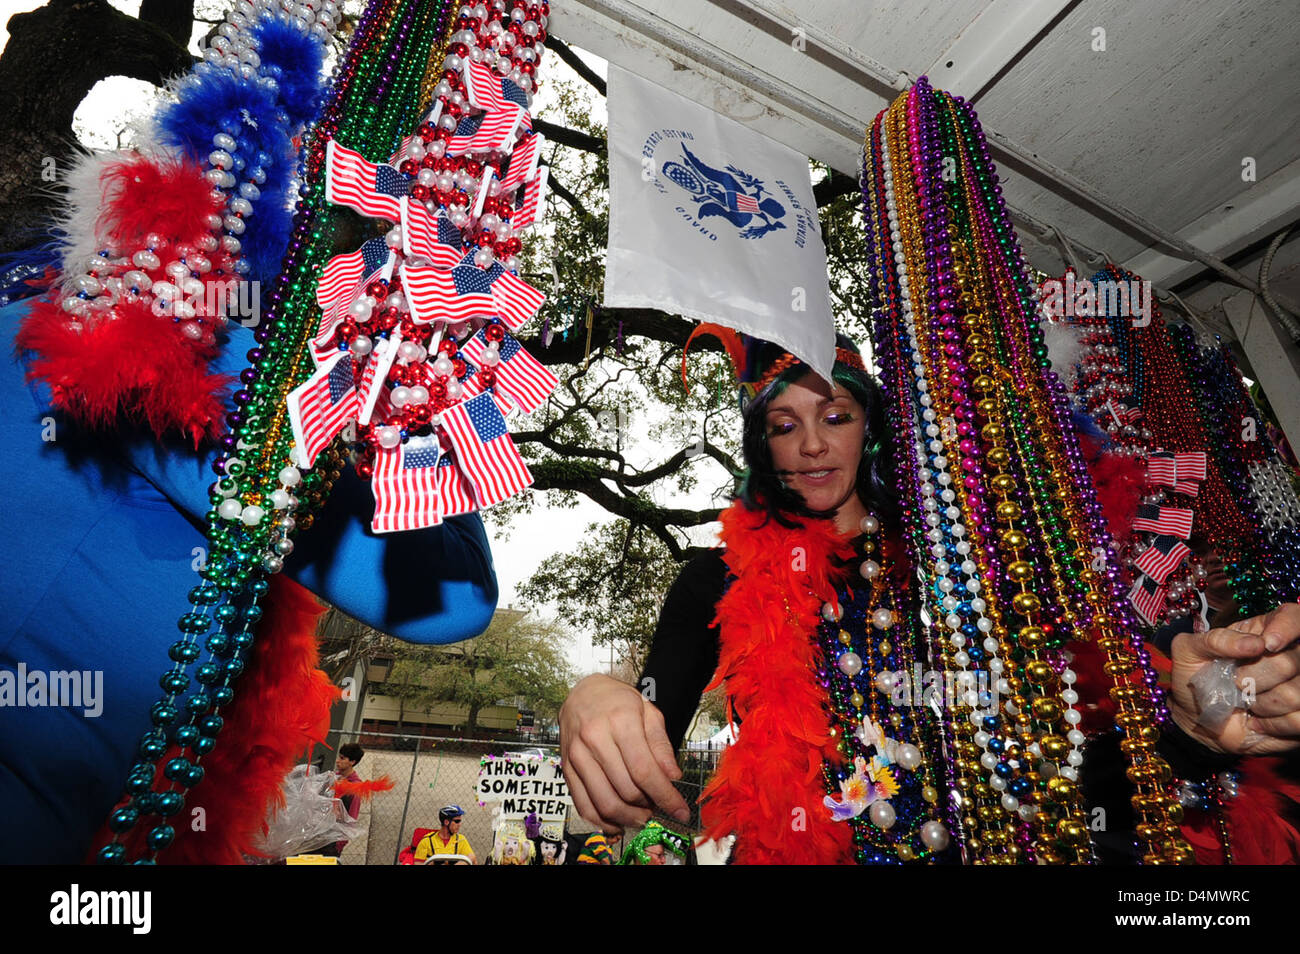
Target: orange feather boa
x=282, y=706
x=768, y=789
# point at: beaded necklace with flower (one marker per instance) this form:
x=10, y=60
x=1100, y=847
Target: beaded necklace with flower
x=877, y=706
x=833, y=764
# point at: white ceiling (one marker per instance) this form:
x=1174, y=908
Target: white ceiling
x=1154, y=128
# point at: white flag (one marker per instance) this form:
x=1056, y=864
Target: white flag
x=711, y=220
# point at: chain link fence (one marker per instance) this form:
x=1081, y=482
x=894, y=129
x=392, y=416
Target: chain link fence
x=430, y=772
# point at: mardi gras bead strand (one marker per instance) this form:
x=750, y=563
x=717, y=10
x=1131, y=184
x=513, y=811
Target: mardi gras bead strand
x=1005, y=757
x=936, y=539
x=1149, y=772
x=1007, y=780
x=913, y=483
x=1033, y=347
x=1160, y=811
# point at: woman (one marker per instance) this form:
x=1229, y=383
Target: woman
x=837, y=759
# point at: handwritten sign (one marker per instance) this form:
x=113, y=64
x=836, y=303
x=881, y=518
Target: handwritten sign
x=523, y=785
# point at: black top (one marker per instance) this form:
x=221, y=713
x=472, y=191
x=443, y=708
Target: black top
x=684, y=655
x=684, y=650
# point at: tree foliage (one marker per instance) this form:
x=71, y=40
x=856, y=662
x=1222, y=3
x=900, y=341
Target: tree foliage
x=516, y=658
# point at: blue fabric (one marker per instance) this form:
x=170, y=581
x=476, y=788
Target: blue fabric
x=95, y=569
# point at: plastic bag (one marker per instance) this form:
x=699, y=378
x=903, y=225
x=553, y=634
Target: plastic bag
x=311, y=817
x=1216, y=692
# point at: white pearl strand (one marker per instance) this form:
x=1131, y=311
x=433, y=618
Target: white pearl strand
x=1273, y=495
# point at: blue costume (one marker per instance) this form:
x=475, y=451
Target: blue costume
x=103, y=546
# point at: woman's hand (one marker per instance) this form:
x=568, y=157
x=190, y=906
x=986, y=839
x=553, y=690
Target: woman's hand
x=1267, y=651
x=617, y=758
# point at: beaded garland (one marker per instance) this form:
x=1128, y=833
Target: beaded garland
x=999, y=512
x=1267, y=556
x=1109, y=385
x=157, y=243
x=877, y=711
x=445, y=360
x=370, y=98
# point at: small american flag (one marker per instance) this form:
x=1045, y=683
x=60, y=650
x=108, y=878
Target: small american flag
x=354, y=181
x=495, y=93
x=455, y=294
x=405, y=485
x=344, y=272
x=487, y=456
x=403, y=150
x=431, y=236
x=528, y=201
x=321, y=406
x=454, y=495
x=1171, y=520
x=1162, y=557
x=746, y=203
x=1183, y=472
x=486, y=132
x=370, y=267
x=375, y=376
x=523, y=161
x=519, y=376
x=1148, y=598
x=516, y=300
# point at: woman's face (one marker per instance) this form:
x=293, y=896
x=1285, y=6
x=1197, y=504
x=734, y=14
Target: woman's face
x=816, y=432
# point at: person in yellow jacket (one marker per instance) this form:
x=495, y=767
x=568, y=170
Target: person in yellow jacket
x=447, y=840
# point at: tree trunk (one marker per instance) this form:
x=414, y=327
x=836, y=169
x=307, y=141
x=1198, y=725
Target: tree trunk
x=54, y=56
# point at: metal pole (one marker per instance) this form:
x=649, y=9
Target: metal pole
x=410, y=784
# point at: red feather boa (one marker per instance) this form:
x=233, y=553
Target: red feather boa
x=134, y=366
x=157, y=195
x=127, y=361
x=1119, y=481
x=282, y=706
x=768, y=789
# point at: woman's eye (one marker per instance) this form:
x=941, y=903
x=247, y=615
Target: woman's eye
x=844, y=418
x=784, y=427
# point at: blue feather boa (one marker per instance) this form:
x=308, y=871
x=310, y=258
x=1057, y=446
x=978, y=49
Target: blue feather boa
x=261, y=117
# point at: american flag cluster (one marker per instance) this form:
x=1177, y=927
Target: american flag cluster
x=1168, y=527
x=414, y=351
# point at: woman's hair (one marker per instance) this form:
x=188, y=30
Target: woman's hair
x=761, y=488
